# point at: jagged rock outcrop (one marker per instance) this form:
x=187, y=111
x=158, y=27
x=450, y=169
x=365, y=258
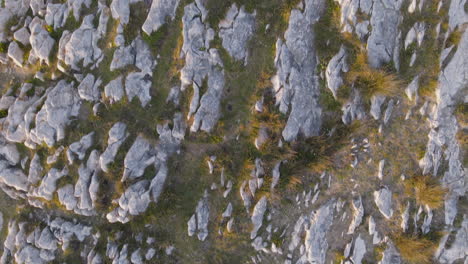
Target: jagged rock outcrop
x=159, y=11
x=335, y=68
x=236, y=30
x=62, y=104
x=296, y=84
x=41, y=42
x=138, y=84
x=383, y=200
x=198, y=223
x=88, y=89
x=114, y=90
x=257, y=216
x=383, y=43
x=201, y=62
x=117, y=135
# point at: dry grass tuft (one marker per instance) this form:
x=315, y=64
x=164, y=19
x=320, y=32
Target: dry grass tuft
x=426, y=191
x=371, y=81
x=415, y=250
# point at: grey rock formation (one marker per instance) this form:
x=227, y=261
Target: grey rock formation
x=458, y=249
x=198, y=223
x=296, y=84
x=120, y=10
x=390, y=255
x=353, y=109
x=16, y=53
x=56, y=15
x=41, y=42
x=382, y=44
x=138, y=158
x=383, y=200
x=376, y=106
x=66, y=196
x=201, y=62
x=257, y=216
x=35, y=170
x=335, y=68
x=316, y=244
x=22, y=35
x=123, y=57
x=412, y=89
x=88, y=89
x=138, y=84
x=80, y=46
x=358, y=214
x=442, y=137
x=114, y=90
x=77, y=150
x=160, y=10
x=61, y=105
x=235, y=30
x=359, y=250
x=117, y=135
x=48, y=184
x=13, y=177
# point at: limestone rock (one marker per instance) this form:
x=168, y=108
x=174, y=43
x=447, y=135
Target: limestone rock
x=198, y=223
x=358, y=214
x=61, y=105
x=257, y=216
x=22, y=35
x=117, y=135
x=89, y=88
x=236, y=29
x=78, y=149
x=120, y=10
x=160, y=10
x=296, y=84
x=335, y=68
x=41, y=42
x=56, y=15
x=114, y=90
x=383, y=200
x=16, y=53
x=382, y=44
x=138, y=84
x=139, y=156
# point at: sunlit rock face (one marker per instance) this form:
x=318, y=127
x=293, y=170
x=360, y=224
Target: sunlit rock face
x=204, y=131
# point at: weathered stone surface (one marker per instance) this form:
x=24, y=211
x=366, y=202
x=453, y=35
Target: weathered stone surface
x=49, y=184
x=160, y=10
x=35, y=170
x=236, y=29
x=376, y=106
x=335, y=68
x=12, y=176
x=41, y=42
x=359, y=250
x=390, y=255
x=61, y=105
x=358, y=214
x=198, y=223
x=139, y=156
x=123, y=57
x=412, y=89
x=296, y=84
x=201, y=62
x=382, y=44
x=80, y=47
x=114, y=90
x=66, y=196
x=257, y=216
x=458, y=250
x=56, y=15
x=22, y=35
x=78, y=149
x=138, y=84
x=353, y=109
x=120, y=10
x=88, y=89
x=16, y=53
x=316, y=244
x=117, y=135
x=444, y=128
x=383, y=200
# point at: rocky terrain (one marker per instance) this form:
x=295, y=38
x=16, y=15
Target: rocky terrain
x=234, y=131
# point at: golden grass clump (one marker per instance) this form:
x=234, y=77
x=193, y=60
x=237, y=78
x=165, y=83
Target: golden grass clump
x=371, y=81
x=415, y=250
x=426, y=191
